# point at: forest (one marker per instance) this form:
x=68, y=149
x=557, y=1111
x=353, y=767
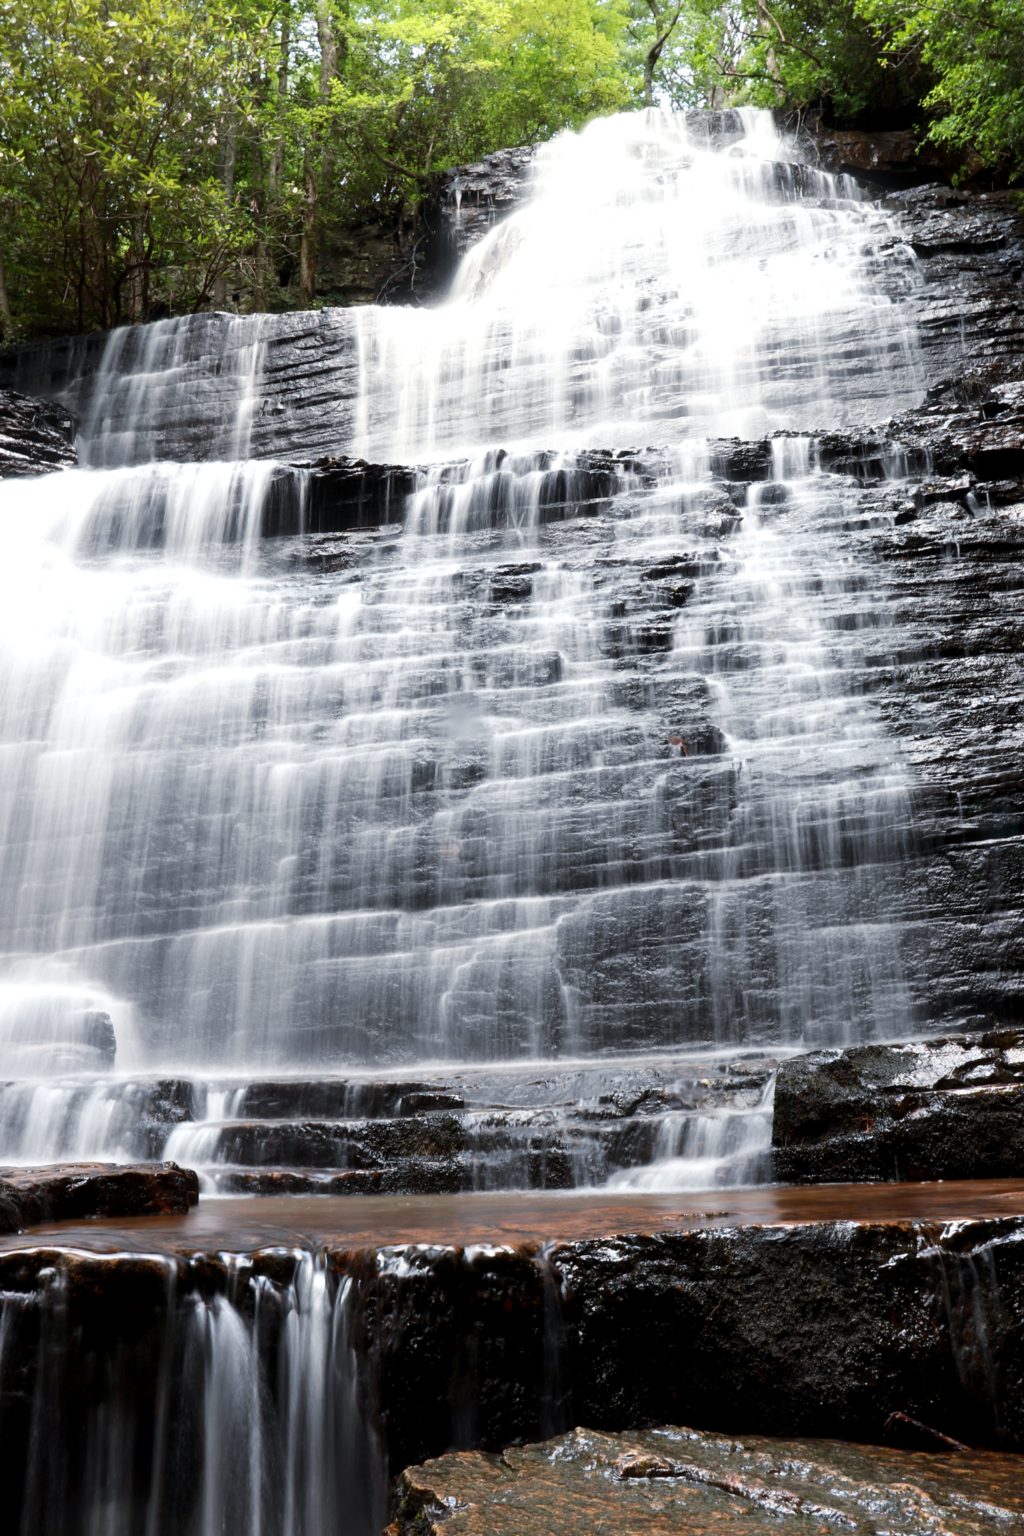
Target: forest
x=163, y=156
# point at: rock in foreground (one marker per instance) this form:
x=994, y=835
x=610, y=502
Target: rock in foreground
x=939, y=1109
x=71, y=1191
x=674, y=1480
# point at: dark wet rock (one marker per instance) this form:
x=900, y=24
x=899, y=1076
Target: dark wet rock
x=659, y=1482
x=736, y=460
x=467, y=202
x=940, y=1109
x=70, y=1191
x=341, y=1144
x=474, y=1129
x=81, y=1039
x=823, y=1330
x=97, y=1033
x=831, y=1328
x=36, y=436
x=341, y=494
x=892, y=158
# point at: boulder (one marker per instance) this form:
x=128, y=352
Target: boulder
x=940, y=1109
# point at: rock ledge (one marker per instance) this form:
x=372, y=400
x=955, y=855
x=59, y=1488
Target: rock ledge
x=71, y=1191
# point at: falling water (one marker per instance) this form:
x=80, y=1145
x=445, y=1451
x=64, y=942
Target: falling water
x=550, y=773
x=246, y=1413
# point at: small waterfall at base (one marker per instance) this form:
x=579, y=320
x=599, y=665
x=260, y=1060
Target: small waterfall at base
x=247, y=1413
x=580, y=766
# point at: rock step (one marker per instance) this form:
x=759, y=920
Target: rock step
x=538, y=1149
x=950, y=1108
x=819, y=1317
x=71, y=1191
x=532, y=1168
x=531, y=1127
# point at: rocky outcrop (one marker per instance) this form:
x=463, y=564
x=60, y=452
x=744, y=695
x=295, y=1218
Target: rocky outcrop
x=942, y=1109
x=73, y=1191
x=663, y=1481
x=883, y=157
x=36, y=436
x=467, y=202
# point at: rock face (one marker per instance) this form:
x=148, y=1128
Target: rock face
x=36, y=436
x=891, y=158
x=71, y=1191
x=664, y=1481
x=818, y=1330
x=468, y=201
x=945, y=1109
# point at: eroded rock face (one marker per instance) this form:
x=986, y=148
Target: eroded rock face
x=663, y=1481
x=36, y=436
x=943, y=1109
x=71, y=1191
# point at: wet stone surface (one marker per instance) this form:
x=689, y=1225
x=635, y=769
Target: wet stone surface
x=73, y=1191
x=950, y=1108
x=532, y=1127
x=36, y=436
x=662, y=1481
x=484, y=1322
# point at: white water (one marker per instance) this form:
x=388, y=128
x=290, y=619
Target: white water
x=268, y=817
x=652, y=288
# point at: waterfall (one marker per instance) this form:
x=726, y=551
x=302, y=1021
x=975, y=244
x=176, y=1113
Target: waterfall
x=580, y=764
x=245, y=1411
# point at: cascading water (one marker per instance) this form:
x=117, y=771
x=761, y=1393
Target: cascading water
x=245, y=1412
x=551, y=774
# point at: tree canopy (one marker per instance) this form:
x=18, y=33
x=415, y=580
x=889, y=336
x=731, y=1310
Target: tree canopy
x=154, y=151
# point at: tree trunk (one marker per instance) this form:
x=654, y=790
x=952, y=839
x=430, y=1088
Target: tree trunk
x=317, y=160
x=650, y=64
x=308, y=246
x=137, y=285
x=275, y=169
x=328, y=47
x=227, y=161
x=6, y=317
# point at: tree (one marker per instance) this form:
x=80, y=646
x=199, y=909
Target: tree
x=972, y=52
x=681, y=51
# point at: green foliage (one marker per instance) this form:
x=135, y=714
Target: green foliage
x=148, y=148
x=426, y=86
x=679, y=51
x=820, y=53
x=106, y=172
x=973, y=51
